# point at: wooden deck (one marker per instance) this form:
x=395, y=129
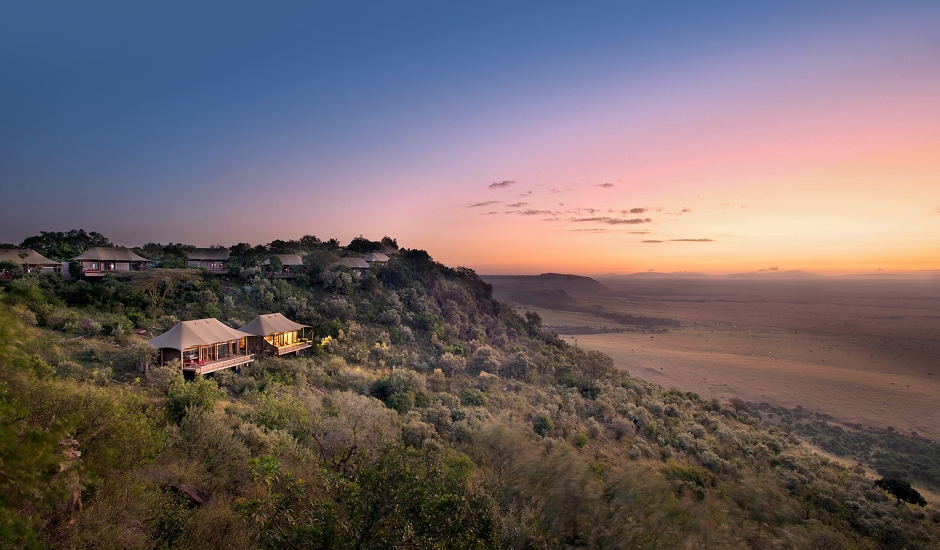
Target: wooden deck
x=212, y=366
x=283, y=350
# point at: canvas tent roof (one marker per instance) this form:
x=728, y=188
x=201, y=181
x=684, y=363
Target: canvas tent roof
x=108, y=254
x=287, y=259
x=353, y=263
x=201, y=332
x=376, y=257
x=32, y=257
x=264, y=325
x=209, y=254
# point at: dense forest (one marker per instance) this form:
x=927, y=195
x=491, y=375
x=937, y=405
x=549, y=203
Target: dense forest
x=428, y=415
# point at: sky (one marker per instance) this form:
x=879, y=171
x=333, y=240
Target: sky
x=508, y=137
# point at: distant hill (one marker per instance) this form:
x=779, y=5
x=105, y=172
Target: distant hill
x=551, y=299
x=572, y=284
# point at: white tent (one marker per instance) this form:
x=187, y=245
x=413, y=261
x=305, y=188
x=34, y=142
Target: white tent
x=201, y=332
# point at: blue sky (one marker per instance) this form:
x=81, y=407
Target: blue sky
x=248, y=122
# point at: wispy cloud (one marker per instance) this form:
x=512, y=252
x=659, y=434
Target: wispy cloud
x=554, y=191
x=531, y=212
x=684, y=211
x=605, y=185
x=488, y=213
x=652, y=241
x=692, y=240
x=517, y=204
x=613, y=221
x=487, y=203
x=501, y=184
x=639, y=210
x=639, y=232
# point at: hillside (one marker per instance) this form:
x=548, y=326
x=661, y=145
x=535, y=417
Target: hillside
x=571, y=284
x=429, y=415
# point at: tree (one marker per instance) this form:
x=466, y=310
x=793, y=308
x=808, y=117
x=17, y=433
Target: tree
x=901, y=490
x=738, y=404
x=64, y=245
x=276, y=264
x=11, y=269
x=534, y=319
x=362, y=245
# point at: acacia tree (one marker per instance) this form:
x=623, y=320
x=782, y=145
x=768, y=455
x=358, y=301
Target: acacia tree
x=901, y=490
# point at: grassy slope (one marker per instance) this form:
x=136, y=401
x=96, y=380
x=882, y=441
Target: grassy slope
x=430, y=416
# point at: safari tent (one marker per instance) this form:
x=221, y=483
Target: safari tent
x=375, y=257
x=203, y=346
x=213, y=259
x=274, y=334
x=30, y=260
x=356, y=264
x=287, y=261
x=101, y=260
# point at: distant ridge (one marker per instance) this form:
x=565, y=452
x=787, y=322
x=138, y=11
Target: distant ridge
x=572, y=284
x=769, y=274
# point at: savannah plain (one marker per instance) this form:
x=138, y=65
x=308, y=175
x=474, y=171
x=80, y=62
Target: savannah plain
x=863, y=350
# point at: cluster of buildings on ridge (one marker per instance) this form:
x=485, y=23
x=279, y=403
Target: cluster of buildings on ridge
x=201, y=346
x=101, y=260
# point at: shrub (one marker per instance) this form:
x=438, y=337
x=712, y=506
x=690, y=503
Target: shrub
x=473, y=397
x=485, y=359
x=452, y=364
x=543, y=424
x=200, y=394
x=581, y=440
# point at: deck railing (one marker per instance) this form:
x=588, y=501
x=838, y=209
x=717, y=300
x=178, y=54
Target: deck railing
x=218, y=364
x=281, y=350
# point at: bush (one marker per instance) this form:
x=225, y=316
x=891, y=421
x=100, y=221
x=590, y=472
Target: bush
x=201, y=394
x=485, y=359
x=473, y=397
x=451, y=364
x=543, y=424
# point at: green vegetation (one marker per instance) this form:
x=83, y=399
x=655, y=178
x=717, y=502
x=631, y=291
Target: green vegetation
x=887, y=451
x=428, y=416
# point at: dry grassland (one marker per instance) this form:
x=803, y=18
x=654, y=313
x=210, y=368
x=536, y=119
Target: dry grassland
x=861, y=351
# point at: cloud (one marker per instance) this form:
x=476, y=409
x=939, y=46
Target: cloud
x=612, y=221
x=774, y=268
x=554, y=191
x=692, y=240
x=531, y=212
x=639, y=232
x=652, y=241
x=487, y=203
x=517, y=204
x=501, y=184
x=526, y=194
x=605, y=185
x=635, y=210
x=487, y=213
x=684, y=211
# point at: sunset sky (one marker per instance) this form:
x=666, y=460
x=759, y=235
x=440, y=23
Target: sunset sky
x=509, y=137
